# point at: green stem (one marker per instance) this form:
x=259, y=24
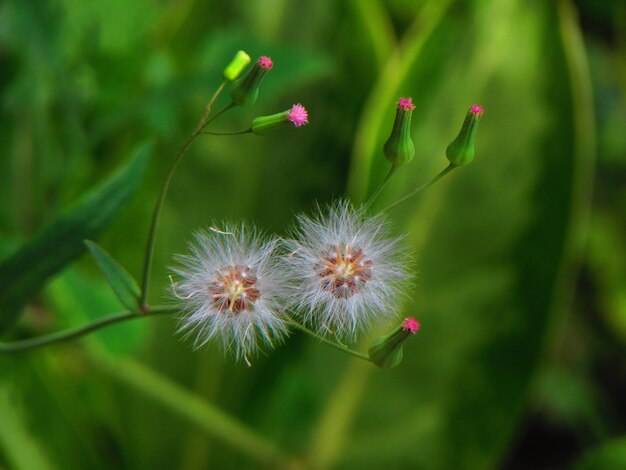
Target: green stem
x=443, y=173
x=73, y=333
x=204, y=121
x=369, y=202
x=245, y=131
x=345, y=349
x=207, y=110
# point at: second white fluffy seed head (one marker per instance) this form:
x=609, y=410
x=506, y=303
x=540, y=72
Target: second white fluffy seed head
x=347, y=272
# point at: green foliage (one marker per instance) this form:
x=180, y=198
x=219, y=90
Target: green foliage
x=462, y=386
x=22, y=449
x=122, y=283
x=24, y=272
x=497, y=244
x=81, y=299
x=609, y=455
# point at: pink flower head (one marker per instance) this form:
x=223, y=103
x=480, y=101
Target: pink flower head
x=298, y=115
x=411, y=324
x=406, y=104
x=476, y=110
x=265, y=62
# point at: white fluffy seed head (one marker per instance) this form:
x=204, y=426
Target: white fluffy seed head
x=231, y=288
x=346, y=271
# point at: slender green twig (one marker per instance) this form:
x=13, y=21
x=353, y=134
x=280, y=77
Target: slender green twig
x=443, y=173
x=73, y=333
x=244, y=131
x=207, y=110
x=370, y=201
x=204, y=121
x=335, y=345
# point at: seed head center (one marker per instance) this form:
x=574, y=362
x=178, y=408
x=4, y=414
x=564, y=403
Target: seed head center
x=344, y=270
x=234, y=289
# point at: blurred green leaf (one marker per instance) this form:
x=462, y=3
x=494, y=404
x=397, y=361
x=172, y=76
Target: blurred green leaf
x=611, y=455
x=377, y=28
x=189, y=406
x=23, y=273
x=495, y=240
x=607, y=238
x=22, y=449
x=567, y=395
x=122, y=283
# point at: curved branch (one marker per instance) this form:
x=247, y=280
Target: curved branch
x=73, y=333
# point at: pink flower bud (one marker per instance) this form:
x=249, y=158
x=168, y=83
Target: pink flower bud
x=476, y=110
x=411, y=324
x=265, y=62
x=298, y=115
x=406, y=104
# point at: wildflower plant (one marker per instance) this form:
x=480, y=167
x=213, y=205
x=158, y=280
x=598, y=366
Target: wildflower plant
x=339, y=273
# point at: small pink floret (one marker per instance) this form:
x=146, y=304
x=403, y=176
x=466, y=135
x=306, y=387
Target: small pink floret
x=411, y=324
x=298, y=115
x=476, y=110
x=265, y=62
x=406, y=104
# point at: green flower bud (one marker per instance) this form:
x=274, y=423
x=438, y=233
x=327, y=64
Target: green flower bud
x=296, y=116
x=386, y=352
x=245, y=91
x=236, y=66
x=399, y=147
x=461, y=150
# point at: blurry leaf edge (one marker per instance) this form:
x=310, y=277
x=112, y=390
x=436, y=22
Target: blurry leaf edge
x=24, y=272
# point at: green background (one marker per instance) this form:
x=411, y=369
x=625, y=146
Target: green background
x=521, y=273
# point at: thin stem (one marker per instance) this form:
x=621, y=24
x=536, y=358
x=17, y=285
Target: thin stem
x=207, y=110
x=335, y=345
x=73, y=333
x=244, y=131
x=369, y=202
x=204, y=121
x=443, y=173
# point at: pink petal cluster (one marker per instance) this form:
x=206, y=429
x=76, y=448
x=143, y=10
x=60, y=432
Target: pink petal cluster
x=298, y=115
x=265, y=62
x=406, y=104
x=411, y=324
x=476, y=110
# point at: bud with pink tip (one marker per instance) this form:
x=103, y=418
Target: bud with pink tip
x=461, y=150
x=296, y=116
x=411, y=325
x=386, y=352
x=399, y=148
x=245, y=91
